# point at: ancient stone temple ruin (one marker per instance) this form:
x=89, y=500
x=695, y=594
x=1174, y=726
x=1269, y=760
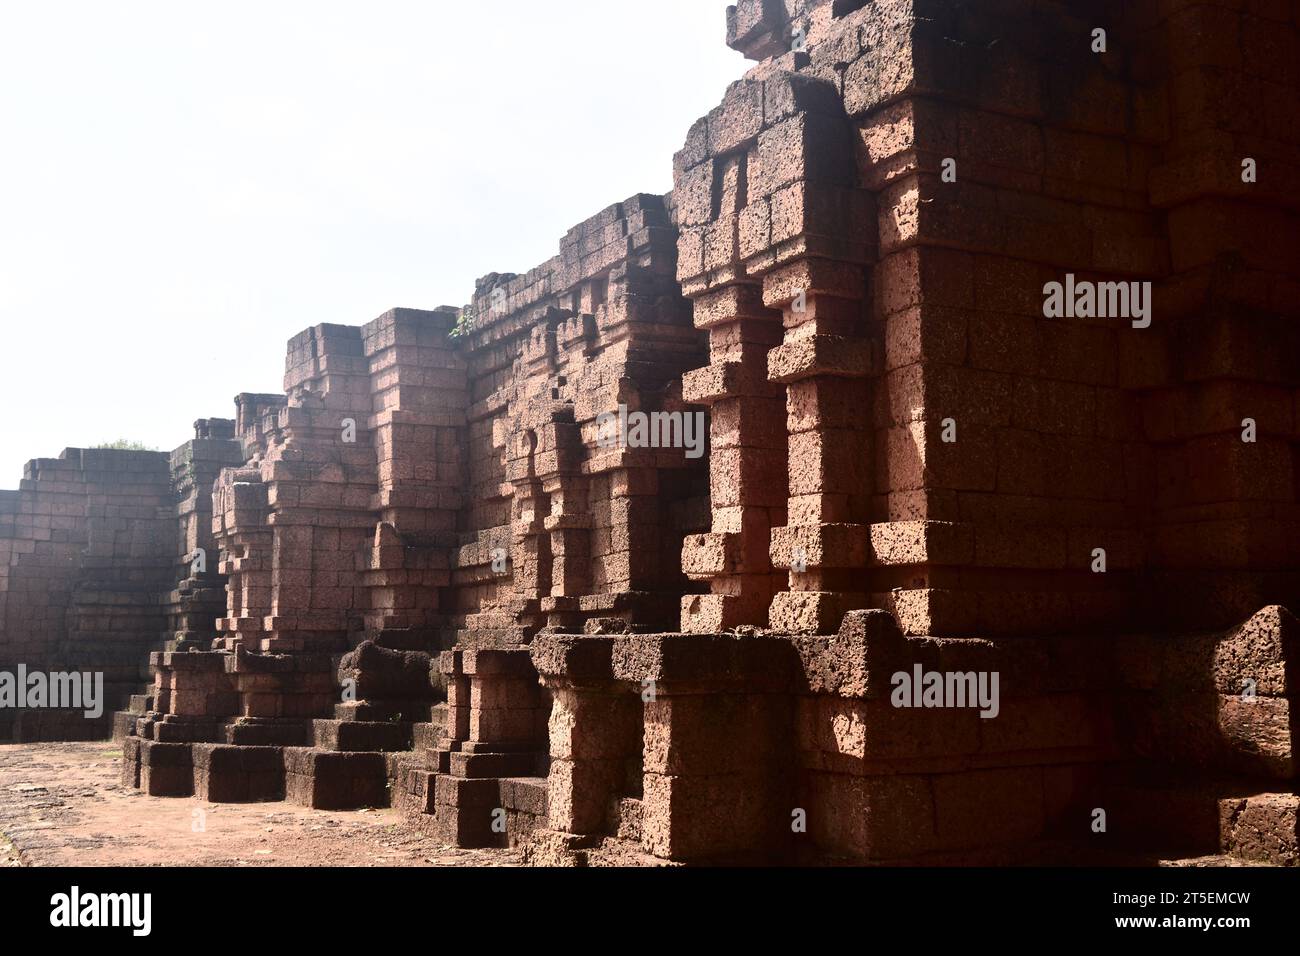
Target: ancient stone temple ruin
x=988, y=317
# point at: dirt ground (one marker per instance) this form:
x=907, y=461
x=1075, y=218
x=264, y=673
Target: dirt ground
x=63, y=805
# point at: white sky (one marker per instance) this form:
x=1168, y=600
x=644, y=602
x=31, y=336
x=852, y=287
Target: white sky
x=185, y=186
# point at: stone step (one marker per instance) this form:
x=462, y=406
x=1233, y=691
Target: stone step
x=1181, y=816
x=424, y=736
x=238, y=774
x=267, y=732
x=477, y=636
x=325, y=780
x=439, y=759
x=525, y=794
x=175, y=730
x=411, y=787
x=484, y=765
x=408, y=711
x=353, y=736
x=124, y=724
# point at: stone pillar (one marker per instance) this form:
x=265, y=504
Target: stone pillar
x=568, y=523
x=239, y=510
x=824, y=363
x=451, y=664
x=418, y=426
x=590, y=732
x=594, y=731
x=710, y=187
x=718, y=744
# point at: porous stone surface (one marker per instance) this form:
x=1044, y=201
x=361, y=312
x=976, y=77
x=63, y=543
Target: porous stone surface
x=473, y=566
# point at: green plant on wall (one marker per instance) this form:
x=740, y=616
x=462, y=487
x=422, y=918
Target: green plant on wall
x=123, y=444
x=464, y=324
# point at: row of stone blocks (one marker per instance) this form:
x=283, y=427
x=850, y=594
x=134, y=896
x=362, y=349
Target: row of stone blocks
x=52, y=724
x=670, y=778
x=471, y=812
x=231, y=773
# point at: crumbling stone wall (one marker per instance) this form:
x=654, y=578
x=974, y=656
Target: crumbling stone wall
x=87, y=547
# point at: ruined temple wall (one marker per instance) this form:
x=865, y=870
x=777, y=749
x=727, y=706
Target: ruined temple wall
x=893, y=423
x=1026, y=458
x=50, y=529
x=337, y=526
x=419, y=396
x=1165, y=464
x=87, y=545
x=404, y=452
x=836, y=271
x=295, y=580
x=194, y=467
x=102, y=563
x=995, y=152
x=598, y=327
x=333, y=533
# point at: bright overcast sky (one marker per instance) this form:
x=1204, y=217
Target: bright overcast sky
x=185, y=186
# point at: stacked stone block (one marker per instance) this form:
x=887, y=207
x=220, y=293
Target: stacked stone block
x=480, y=783
x=1011, y=487
x=803, y=231
x=419, y=393
x=198, y=594
x=748, y=453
